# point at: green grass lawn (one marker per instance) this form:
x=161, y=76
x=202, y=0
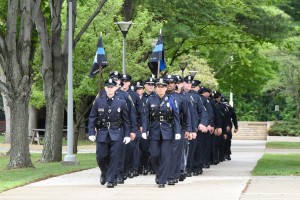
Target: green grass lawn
x=2, y=139
x=283, y=145
x=17, y=177
x=278, y=165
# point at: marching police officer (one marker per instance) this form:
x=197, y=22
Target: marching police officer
x=186, y=125
x=109, y=126
x=144, y=144
x=162, y=123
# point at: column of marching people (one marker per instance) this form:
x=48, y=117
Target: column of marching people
x=171, y=127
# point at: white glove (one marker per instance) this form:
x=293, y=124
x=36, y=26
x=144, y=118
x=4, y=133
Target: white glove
x=126, y=140
x=144, y=135
x=177, y=136
x=92, y=138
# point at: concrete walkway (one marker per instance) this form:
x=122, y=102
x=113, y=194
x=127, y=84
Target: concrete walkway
x=226, y=181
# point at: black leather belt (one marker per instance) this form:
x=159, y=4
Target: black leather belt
x=110, y=124
x=161, y=118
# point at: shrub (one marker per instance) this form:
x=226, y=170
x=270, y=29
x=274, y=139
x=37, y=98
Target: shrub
x=285, y=128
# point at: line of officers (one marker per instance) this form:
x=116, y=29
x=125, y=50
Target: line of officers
x=170, y=127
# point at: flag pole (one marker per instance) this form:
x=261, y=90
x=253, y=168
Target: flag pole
x=100, y=73
x=158, y=64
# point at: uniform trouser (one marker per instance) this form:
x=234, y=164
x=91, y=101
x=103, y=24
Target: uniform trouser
x=209, y=154
x=227, y=144
x=136, y=155
x=184, y=155
x=120, y=170
x=160, y=154
x=144, y=154
x=201, y=147
x=191, y=153
x=108, y=156
x=216, y=148
x=130, y=155
x=175, y=161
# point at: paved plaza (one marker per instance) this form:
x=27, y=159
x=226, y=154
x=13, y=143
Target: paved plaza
x=230, y=180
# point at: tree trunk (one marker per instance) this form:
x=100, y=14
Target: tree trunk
x=16, y=55
x=52, y=151
x=127, y=10
x=33, y=119
x=6, y=113
x=298, y=111
x=19, y=154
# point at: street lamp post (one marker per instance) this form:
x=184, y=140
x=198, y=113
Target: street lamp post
x=124, y=27
x=193, y=73
x=231, y=93
x=182, y=67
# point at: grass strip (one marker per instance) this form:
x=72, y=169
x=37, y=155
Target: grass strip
x=278, y=165
x=18, y=177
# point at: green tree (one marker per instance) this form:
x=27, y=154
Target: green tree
x=16, y=55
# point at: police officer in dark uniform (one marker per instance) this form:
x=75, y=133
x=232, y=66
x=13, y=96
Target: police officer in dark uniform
x=144, y=144
x=131, y=154
x=133, y=124
x=199, y=123
x=232, y=120
x=109, y=127
x=162, y=123
x=186, y=124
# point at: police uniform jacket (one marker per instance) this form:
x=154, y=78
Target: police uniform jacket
x=110, y=119
x=198, y=111
x=132, y=113
x=160, y=119
x=185, y=114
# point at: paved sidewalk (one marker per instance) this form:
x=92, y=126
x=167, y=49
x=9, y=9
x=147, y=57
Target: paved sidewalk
x=225, y=181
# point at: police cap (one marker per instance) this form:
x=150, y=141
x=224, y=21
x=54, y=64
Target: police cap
x=188, y=79
x=204, y=89
x=170, y=78
x=115, y=75
x=125, y=77
x=150, y=80
x=161, y=81
x=195, y=83
x=110, y=82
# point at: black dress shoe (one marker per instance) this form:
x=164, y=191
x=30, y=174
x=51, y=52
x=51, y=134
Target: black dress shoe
x=145, y=172
x=171, y=182
x=175, y=180
x=182, y=176
x=206, y=166
x=130, y=175
x=195, y=173
x=189, y=175
x=110, y=185
x=156, y=179
x=102, y=179
x=135, y=173
x=200, y=171
x=228, y=157
x=161, y=185
x=120, y=181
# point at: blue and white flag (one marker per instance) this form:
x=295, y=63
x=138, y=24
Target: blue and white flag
x=157, y=56
x=100, y=59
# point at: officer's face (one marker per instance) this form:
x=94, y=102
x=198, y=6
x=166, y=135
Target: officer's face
x=126, y=85
x=140, y=91
x=187, y=86
x=206, y=94
x=161, y=90
x=110, y=90
x=149, y=87
x=196, y=88
x=171, y=86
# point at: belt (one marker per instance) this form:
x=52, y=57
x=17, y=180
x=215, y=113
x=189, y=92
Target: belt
x=161, y=118
x=110, y=124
